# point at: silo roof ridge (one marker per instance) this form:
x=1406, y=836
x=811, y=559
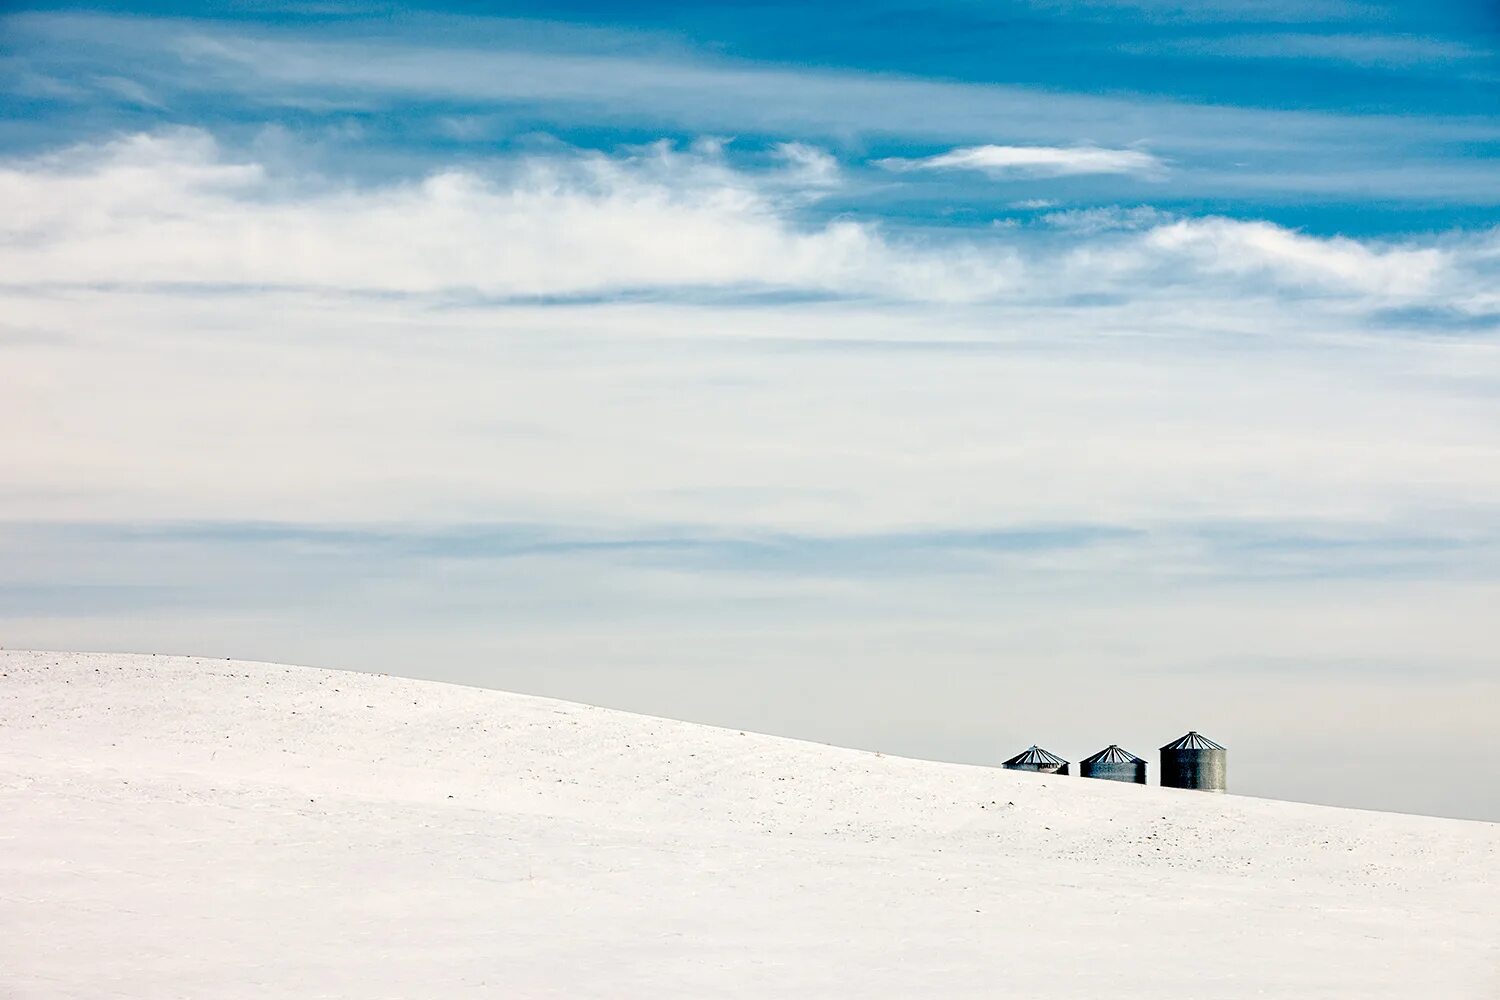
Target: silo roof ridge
x=1192, y=741
x=1035, y=755
x=1112, y=754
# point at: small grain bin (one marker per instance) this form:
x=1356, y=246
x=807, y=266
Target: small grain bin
x=1194, y=761
x=1034, y=758
x=1114, y=764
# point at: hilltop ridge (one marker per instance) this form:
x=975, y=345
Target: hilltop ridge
x=183, y=826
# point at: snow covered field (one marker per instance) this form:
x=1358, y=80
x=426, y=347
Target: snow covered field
x=174, y=827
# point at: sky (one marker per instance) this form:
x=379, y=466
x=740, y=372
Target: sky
x=935, y=379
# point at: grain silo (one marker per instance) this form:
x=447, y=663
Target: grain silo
x=1034, y=758
x=1114, y=764
x=1194, y=761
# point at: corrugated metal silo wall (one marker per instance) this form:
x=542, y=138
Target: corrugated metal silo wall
x=1039, y=768
x=1131, y=771
x=1205, y=770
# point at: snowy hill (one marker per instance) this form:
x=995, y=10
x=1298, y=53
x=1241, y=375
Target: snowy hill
x=178, y=827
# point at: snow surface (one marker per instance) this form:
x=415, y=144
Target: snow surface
x=176, y=827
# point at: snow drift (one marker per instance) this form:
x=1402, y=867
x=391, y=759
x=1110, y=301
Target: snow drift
x=179, y=827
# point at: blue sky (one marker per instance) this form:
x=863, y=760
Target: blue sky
x=913, y=377
x=1334, y=117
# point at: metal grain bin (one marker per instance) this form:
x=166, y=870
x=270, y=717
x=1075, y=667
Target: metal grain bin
x=1194, y=761
x=1034, y=758
x=1114, y=764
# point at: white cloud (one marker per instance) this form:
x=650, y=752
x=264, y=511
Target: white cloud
x=1249, y=249
x=173, y=208
x=810, y=166
x=176, y=209
x=1107, y=218
x=1037, y=161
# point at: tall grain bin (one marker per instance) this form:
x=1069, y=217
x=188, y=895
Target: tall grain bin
x=1194, y=761
x=1114, y=764
x=1034, y=758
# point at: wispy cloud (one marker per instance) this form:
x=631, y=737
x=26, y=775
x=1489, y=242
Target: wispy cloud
x=1211, y=11
x=1036, y=161
x=1247, y=248
x=172, y=208
x=505, y=71
x=1107, y=218
x=1372, y=50
x=177, y=209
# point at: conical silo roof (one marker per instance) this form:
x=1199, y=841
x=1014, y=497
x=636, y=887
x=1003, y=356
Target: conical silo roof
x=1034, y=755
x=1192, y=741
x=1112, y=754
